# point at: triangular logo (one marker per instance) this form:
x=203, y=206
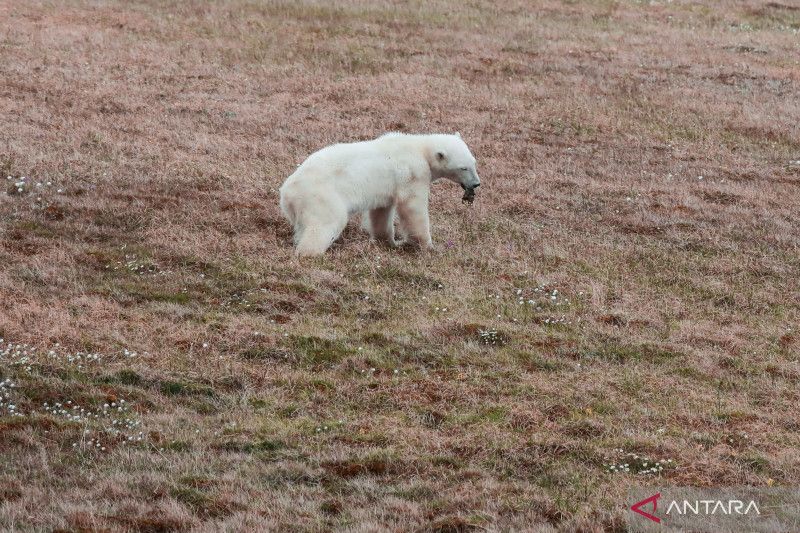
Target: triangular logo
x=637, y=508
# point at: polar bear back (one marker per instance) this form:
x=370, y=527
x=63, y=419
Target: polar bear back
x=364, y=175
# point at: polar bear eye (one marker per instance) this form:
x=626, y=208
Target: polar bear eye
x=463, y=168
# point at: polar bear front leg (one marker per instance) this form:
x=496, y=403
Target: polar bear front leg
x=415, y=220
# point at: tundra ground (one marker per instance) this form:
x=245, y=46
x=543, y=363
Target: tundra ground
x=624, y=291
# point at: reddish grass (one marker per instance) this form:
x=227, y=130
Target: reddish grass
x=338, y=393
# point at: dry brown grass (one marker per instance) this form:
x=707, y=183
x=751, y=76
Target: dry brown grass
x=339, y=393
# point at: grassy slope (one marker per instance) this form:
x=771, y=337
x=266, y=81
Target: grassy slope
x=357, y=390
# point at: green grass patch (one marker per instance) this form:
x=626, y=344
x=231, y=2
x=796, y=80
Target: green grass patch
x=258, y=446
x=184, y=388
x=533, y=362
x=125, y=377
x=615, y=352
x=493, y=415
x=403, y=279
x=317, y=351
x=178, y=446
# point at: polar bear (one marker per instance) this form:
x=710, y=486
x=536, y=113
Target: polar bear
x=379, y=178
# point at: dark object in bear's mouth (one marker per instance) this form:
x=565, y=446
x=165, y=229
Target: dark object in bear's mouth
x=469, y=195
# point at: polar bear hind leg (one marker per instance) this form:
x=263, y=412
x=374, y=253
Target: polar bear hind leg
x=318, y=231
x=379, y=223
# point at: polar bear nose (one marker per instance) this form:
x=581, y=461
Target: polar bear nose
x=476, y=179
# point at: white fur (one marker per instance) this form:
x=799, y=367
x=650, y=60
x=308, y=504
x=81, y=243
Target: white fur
x=379, y=178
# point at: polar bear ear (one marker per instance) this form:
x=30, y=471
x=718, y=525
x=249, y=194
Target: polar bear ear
x=458, y=135
x=441, y=156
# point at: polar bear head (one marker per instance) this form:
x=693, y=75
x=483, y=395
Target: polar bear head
x=452, y=160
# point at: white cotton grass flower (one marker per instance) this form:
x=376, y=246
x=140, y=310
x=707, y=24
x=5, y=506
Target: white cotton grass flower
x=639, y=465
x=110, y=422
x=491, y=337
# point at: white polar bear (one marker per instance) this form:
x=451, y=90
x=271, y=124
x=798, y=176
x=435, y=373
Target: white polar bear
x=388, y=175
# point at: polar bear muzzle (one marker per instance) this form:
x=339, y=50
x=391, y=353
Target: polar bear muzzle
x=469, y=194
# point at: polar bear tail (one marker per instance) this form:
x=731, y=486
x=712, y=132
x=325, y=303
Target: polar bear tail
x=288, y=209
